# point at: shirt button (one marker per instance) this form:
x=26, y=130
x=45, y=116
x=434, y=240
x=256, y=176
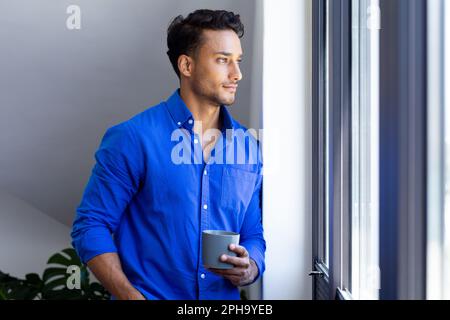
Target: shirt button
x=202, y=276
x=179, y=123
x=205, y=206
x=205, y=173
x=195, y=141
x=190, y=121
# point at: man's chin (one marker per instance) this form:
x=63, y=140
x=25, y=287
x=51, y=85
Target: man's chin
x=227, y=100
x=229, y=103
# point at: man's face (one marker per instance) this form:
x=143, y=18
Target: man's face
x=216, y=70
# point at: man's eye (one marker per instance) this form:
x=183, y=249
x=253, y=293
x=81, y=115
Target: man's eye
x=222, y=59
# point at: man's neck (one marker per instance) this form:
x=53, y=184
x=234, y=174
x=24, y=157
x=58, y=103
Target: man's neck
x=204, y=112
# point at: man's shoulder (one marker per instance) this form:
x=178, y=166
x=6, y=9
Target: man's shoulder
x=141, y=123
x=147, y=118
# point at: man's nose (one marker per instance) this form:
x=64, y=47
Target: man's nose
x=235, y=72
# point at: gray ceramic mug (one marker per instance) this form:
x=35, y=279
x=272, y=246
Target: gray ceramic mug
x=216, y=243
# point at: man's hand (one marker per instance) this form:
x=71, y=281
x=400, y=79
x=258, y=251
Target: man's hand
x=244, y=271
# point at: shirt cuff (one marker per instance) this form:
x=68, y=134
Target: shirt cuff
x=94, y=244
x=255, y=255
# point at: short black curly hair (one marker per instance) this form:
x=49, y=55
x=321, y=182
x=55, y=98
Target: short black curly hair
x=184, y=35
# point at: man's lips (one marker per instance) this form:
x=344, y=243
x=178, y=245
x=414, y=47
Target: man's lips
x=231, y=87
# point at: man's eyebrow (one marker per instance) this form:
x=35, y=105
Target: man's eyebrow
x=227, y=54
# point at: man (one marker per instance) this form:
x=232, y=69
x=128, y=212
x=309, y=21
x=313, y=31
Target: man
x=139, y=224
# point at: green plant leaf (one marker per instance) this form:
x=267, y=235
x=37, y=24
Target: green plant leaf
x=64, y=294
x=6, y=278
x=53, y=272
x=53, y=283
x=73, y=256
x=3, y=294
x=98, y=292
x=34, y=282
x=33, y=287
x=23, y=292
x=58, y=258
x=33, y=278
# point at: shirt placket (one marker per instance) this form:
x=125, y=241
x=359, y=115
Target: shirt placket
x=205, y=217
x=204, y=220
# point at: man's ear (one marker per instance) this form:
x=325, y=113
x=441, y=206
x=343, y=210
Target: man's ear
x=185, y=65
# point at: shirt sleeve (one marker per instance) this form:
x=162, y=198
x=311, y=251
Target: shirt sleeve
x=113, y=182
x=252, y=233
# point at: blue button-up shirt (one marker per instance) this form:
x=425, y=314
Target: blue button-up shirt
x=151, y=194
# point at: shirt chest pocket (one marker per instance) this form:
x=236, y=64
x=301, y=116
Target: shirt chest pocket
x=237, y=188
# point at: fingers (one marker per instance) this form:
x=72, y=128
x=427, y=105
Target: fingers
x=239, y=250
x=234, y=280
x=229, y=272
x=236, y=261
x=241, y=264
x=234, y=275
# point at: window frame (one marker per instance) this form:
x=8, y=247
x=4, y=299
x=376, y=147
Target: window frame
x=403, y=147
x=321, y=281
x=335, y=276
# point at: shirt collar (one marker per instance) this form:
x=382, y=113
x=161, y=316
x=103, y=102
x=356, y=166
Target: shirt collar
x=227, y=119
x=183, y=116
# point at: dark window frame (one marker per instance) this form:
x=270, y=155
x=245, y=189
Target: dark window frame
x=332, y=276
x=403, y=129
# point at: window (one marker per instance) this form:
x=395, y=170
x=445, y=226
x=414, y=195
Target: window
x=446, y=137
x=328, y=135
x=438, y=248
x=346, y=97
x=364, y=152
x=321, y=152
x=371, y=70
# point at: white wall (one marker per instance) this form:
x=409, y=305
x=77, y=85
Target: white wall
x=28, y=237
x=287, y=148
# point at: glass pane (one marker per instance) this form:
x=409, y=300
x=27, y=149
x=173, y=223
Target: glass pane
x=355, y=222
x=327, y=135
x=365, y=130
x=446, y=275
x=438, y=185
